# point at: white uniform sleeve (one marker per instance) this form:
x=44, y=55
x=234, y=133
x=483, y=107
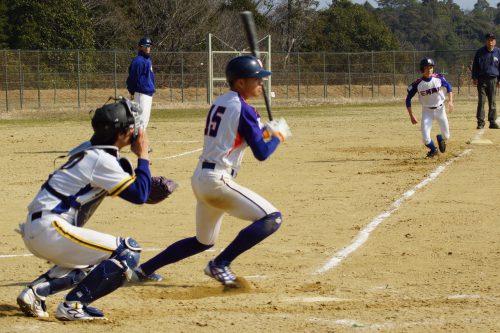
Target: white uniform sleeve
x=109, y=175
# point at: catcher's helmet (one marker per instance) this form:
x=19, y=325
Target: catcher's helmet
x=145, y=41
x=111, y=119
x=243, y=67
x=426, y=62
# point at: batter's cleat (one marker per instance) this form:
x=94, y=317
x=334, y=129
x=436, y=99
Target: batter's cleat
x=221, y=273
x=77, y=311
x=139, y=276
x=31, y=304
x=432, y=153
x=494, y=125
x=480, y=126
x=441, y=143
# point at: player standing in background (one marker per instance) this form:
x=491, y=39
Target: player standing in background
x=141, y=79
x=430, y=94
x=92, y=263
x=231, y=126
x=486, y=76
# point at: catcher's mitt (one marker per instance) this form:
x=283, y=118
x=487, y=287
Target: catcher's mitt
x=161, y=188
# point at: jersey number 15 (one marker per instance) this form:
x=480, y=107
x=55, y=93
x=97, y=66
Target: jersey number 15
x=214, y=118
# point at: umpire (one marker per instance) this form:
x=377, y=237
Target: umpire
x=486, y=76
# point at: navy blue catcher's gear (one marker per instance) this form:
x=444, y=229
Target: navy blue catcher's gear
x=114, y=118
x=109, y=275
x=243, y=67
x=426, y=62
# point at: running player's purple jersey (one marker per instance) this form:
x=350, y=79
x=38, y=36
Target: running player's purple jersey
x=429, y=90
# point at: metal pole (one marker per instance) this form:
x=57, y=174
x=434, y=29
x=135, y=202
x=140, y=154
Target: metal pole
x=394, y=73
x=298, y=78
x=210, y=72
x=78, y=75
x=182, y=77
x=38, y=79
x=20, y=81
x=6, y=81
x=349, y=72
x=269, y=69
x=325, y=92
x=114, y=75
x=373, y=74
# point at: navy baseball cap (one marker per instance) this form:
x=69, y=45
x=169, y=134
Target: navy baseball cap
x=145, y=41
x=489, y=35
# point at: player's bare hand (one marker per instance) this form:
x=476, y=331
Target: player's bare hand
x=450, y=107
x=140, y=146
x=474, y=82
x=413, y=120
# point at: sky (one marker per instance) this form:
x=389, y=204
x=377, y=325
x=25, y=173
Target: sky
x=464, y=4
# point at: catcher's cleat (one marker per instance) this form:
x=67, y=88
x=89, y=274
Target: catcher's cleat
x=140, y=276
x=77, y=311
x=441, y=143
x=31, y=304
x=221, y=273
x=432, y=153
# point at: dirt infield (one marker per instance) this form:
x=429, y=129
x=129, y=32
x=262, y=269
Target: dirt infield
x=375, y=236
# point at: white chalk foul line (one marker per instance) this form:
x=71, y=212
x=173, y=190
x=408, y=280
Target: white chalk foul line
x=179, y=155
x=363, y=235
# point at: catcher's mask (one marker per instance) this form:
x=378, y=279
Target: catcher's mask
x=111, y=119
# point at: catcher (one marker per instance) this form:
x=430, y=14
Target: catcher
x=91, y=263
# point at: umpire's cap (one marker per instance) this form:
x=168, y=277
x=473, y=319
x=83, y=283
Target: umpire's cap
x=489, y=35
x=243, y=67
x=145, y=41
x=426, y=62
x=108, y=121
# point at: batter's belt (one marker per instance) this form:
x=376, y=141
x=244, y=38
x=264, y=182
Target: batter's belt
x=212, y=166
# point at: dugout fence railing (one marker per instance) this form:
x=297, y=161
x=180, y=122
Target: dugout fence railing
x=86, y=78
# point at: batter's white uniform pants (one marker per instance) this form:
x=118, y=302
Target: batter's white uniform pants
x=54, y=239
x=217, y=193
x=428, y=115
x=145, y=102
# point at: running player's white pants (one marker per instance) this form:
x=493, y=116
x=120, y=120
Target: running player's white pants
x=54, y=239
x=428, y=115
x=145, y=102
x=216, y=193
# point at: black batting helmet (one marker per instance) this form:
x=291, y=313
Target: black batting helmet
x=111, y=119
x=145, y=41
x=426, y=62
x=243, y=67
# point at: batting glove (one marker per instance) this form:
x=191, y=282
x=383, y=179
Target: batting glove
x=279, y=128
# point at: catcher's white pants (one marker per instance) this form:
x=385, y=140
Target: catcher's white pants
x=428, y=115
x=145, y=102
x=54, y=239
x=217, y=193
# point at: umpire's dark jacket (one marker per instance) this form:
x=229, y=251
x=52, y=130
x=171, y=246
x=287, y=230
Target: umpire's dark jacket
x=486, y=64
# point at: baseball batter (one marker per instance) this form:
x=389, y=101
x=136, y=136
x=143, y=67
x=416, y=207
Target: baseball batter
x=92, y=263
x=431, y=96
x=232, y=125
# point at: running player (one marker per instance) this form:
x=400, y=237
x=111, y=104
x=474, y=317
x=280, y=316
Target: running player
x=92, y=263
x=231, y=126
x=432, y=98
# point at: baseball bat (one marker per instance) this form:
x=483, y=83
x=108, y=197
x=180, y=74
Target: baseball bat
x=251, y=33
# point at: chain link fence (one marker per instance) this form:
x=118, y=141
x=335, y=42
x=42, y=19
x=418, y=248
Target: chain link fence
x=86, y=79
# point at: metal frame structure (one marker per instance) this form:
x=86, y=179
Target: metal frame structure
x=266, y=55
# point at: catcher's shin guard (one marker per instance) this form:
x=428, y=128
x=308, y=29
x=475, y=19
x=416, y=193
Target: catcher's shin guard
x=109, y=275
